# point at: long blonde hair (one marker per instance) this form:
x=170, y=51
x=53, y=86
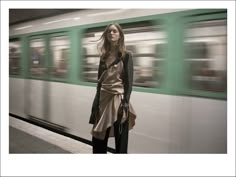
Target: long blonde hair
x=106, y=45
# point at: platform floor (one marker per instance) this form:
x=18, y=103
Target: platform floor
x=21, y=142
x=28, y=138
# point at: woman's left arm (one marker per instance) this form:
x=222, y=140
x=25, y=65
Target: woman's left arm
x=128, y=77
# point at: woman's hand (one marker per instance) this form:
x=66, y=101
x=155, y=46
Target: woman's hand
x=124, y=117
x=125, y=112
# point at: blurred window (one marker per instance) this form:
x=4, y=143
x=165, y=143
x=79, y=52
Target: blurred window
x=37, y=57
x=145, y=40
x=206, y=48
x=14, y=57
x=90, y=58
x=60, y=56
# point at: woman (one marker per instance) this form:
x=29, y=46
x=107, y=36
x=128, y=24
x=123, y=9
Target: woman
x=112, y=114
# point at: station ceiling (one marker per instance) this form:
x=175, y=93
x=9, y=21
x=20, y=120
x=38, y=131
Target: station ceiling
x=17, y=16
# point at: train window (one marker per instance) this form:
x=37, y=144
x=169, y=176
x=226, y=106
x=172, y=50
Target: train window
x=206, y=55
x=197, y=50
x=60, y=56
x=90, y=60
x=145, y=40
x=14, y=57
x=37, y=57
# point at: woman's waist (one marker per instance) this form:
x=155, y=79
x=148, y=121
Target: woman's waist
x=113, y=88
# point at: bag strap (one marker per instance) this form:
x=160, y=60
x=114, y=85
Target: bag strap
x=112, y=64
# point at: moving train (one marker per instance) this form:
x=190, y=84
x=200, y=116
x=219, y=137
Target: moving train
x=180, y=75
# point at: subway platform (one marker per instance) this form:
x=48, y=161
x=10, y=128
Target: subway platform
x=28, y=138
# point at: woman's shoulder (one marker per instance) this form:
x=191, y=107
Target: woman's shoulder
x=102, y=58
x=128, y=54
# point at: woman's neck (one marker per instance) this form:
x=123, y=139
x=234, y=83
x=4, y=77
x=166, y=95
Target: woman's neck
x=114, y=46
x=113, y=50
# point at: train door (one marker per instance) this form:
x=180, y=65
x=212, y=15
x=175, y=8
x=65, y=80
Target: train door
x=36, y=85
x=205, y=83
x=48, y=58
x=58, y=91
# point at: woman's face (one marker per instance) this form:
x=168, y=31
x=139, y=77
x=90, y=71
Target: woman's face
x=113, y=34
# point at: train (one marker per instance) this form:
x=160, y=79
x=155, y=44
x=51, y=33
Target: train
x=180, y=75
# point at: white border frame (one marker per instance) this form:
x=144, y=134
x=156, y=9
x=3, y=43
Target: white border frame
x=145, y=165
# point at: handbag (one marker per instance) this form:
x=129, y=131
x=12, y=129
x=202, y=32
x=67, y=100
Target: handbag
x=123, y=108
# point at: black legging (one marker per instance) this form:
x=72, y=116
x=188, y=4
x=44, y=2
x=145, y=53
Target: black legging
x=121, y=139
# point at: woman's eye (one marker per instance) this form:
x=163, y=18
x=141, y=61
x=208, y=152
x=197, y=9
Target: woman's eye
x=114, y=31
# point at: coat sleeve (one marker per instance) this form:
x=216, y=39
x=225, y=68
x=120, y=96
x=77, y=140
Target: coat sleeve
x=95, y=105
x=128, y=76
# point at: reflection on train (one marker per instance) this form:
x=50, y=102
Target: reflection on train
x=180, y=75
